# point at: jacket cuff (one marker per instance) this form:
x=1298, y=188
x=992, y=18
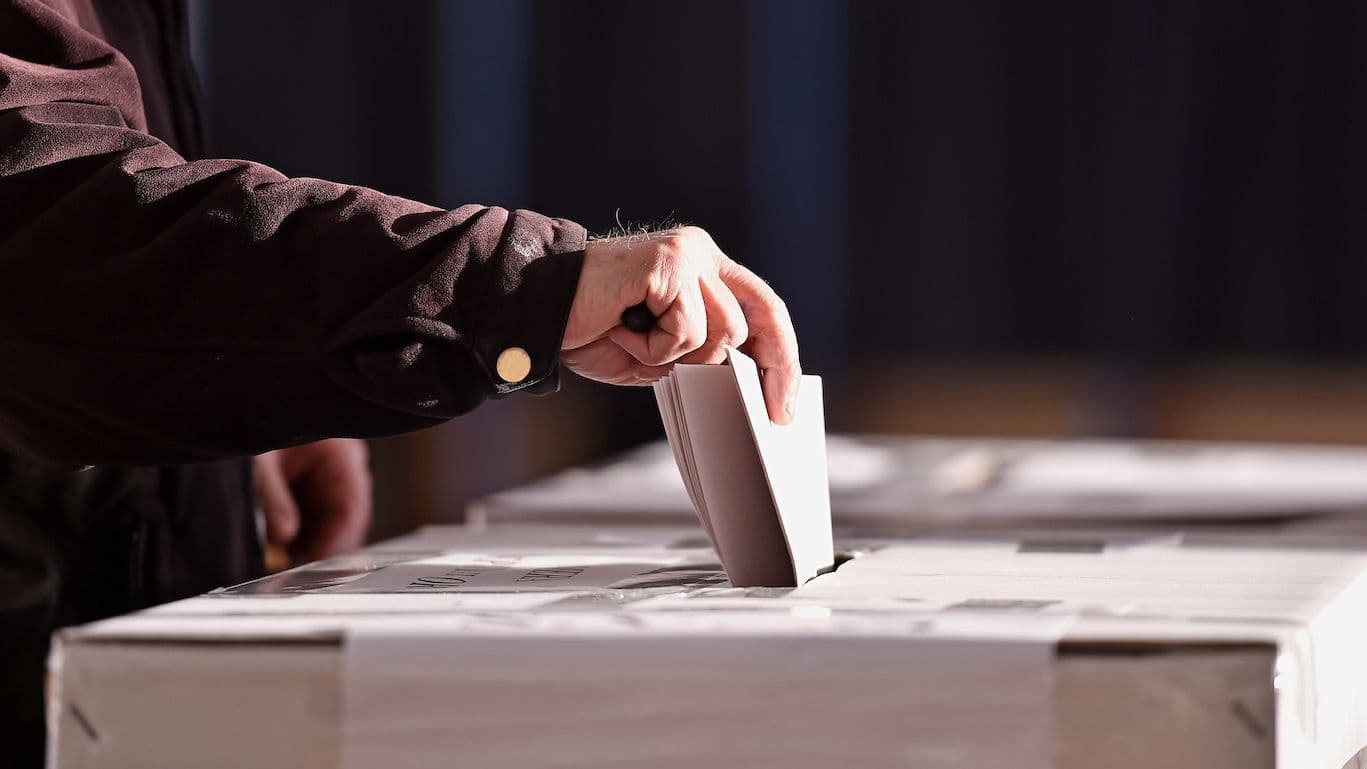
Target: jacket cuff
x=517, y=337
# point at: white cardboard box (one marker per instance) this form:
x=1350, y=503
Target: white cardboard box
x=569, y=647
x=901, y=485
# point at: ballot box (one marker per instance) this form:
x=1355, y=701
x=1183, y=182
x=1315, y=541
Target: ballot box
x=569, y=646
x=904, y=485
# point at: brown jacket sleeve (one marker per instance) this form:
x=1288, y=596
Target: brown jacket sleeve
x=154, y=310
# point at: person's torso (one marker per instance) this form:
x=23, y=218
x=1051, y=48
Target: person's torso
x=152, y=35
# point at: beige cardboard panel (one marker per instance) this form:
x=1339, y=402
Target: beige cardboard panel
x=1255, y=635
x=930, y=482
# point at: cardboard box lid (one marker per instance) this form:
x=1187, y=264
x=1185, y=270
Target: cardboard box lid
x=1111, y=588
x=628, y=591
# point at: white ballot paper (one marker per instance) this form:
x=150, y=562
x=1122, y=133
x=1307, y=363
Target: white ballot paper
x=760, y=489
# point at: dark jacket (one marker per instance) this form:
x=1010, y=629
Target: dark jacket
x=158, y=310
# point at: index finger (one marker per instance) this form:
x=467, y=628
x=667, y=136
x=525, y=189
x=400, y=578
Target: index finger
x=772, y=342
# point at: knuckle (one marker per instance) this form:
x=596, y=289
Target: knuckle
x=710, y=352
x=655, y=357
x=671, y=246
x=770, y=296
x=662, y=276
x=693, y=340
x=735, y=334
x=691, y=232
x=778, y=308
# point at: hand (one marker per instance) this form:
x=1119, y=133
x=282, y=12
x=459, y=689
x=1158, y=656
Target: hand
x=703, y=302
x=316, y=497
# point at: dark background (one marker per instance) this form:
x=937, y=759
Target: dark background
x=1140, y=218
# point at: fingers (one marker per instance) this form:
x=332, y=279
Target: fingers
x=703, y=302
x=316, y=497
x=772, y=341
x=276, y=501
x=726, y=325
x=334, y=492
x=697, y=316
x=605, y=361
x=676, y=298
x=339, y=494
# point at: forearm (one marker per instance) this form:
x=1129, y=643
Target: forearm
x=158, y=310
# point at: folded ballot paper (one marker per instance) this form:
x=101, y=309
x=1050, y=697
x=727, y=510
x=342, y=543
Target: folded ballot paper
x=760, y=489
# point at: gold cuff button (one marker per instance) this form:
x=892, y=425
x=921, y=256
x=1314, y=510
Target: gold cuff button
x=514, y=364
